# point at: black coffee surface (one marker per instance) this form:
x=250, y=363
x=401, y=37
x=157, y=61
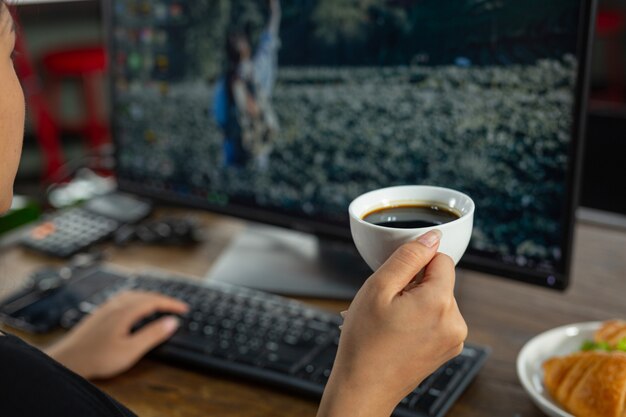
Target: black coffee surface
x=411, y=216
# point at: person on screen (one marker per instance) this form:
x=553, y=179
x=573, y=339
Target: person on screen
x=392, y=337
x=242, y=99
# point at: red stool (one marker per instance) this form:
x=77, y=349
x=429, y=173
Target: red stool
x=46, y=129
x=610, y=27
x=87, y=65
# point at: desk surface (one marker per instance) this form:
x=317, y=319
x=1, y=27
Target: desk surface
x=500, y=313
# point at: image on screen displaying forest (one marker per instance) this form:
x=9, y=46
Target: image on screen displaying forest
x=301, y=105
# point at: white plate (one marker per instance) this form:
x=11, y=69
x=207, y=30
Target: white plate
x=556, y=342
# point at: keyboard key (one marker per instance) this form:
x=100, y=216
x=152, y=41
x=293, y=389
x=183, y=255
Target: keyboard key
x=423, y=402
x=192, y=342
x=318, y=325
x=443, y=379
x=278, y=363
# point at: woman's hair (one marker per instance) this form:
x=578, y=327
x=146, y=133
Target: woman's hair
x=233, y=55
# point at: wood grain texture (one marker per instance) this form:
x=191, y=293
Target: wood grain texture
x=500, y=313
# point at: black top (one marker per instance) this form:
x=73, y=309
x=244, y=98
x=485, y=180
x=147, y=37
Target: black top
x=33, y=384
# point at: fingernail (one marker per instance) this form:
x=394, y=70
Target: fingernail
x=430, y=238
x=170, y=324
x=343, y=314
x=341, y=327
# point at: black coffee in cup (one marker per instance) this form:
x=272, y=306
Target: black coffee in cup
x=412, y=216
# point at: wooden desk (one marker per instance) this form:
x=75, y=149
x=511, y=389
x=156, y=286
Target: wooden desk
x=500, y=313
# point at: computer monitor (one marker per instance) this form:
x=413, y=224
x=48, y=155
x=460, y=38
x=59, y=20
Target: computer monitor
x=283, y=111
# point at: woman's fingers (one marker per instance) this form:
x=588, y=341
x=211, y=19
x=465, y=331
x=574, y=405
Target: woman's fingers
x=136, y=306
x=439, y=274
x=153, y=334
x=406, y=262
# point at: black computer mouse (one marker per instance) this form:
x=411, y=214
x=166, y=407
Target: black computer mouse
x=152, y=317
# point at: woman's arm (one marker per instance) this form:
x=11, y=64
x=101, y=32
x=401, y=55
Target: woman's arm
x=393, y=338
x=275, y=16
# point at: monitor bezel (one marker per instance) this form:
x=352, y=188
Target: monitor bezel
x=556, y=280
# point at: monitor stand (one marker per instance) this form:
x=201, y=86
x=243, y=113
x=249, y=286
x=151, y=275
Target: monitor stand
x=291, y=263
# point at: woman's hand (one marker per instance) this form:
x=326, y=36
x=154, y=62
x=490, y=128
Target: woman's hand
x=395, y=332
x=102, y=345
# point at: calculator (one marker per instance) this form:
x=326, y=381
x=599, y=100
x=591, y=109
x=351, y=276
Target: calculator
x=70, y=231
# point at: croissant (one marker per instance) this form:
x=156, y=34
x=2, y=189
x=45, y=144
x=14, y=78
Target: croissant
x=611, y=332
x=588, y=384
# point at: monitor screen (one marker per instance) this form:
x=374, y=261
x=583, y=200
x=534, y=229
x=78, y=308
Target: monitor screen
x=283, y=111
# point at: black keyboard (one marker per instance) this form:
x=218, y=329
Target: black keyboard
x=264, y=337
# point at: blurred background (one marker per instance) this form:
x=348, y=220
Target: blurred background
x=62, y=53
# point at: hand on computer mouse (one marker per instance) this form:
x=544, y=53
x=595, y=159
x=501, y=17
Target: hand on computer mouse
x=395, y=334
x=103, y=345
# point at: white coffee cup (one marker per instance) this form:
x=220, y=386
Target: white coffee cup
x=376, y=243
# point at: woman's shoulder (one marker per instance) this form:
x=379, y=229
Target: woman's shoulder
x=26, y=369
